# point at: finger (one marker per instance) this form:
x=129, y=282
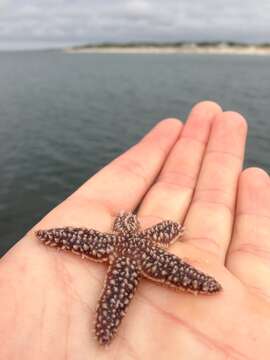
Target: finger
x=124, y=181
x=210, y=217
x=249, y=253
x=170, y=195
x=119, y=185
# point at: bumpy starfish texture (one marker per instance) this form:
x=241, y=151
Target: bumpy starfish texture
x=132, y=254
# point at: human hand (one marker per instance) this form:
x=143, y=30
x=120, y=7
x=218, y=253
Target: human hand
x=186, y=173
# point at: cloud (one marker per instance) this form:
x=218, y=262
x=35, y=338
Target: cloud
x=133, y=20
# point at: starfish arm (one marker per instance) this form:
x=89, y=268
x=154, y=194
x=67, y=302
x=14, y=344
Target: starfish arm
x=162, y=266
x=163, y=233
x=126, y=223
x=120, y=285
x=86, y=242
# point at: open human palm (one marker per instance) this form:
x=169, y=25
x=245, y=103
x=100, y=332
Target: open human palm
x=189, y=173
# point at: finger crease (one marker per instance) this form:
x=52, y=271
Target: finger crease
x=203, y=242
x=102, y=204
x=200, y=142
x=152, y=217
x=255, y=250
x=251, y=214
x=203, y=338
x=217, y=195
x=258, y=290
x=182, y=182
x=163, y=149
x=134, y=169
x=226, y=153
x=197, y=201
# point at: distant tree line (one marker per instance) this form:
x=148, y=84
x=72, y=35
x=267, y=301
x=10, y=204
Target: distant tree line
x=171, y=44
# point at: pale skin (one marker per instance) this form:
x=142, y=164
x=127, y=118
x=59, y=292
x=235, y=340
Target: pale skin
x=190, y=173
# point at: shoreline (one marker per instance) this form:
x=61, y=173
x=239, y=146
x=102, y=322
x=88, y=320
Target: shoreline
x=186, y=49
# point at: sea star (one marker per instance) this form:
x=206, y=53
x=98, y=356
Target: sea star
x=132, y=253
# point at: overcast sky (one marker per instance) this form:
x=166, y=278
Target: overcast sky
x=46, y=23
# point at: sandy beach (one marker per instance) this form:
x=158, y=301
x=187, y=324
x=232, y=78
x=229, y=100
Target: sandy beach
x=185, y=49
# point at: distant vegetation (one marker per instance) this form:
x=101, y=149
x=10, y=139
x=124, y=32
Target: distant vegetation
x=171, y=44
